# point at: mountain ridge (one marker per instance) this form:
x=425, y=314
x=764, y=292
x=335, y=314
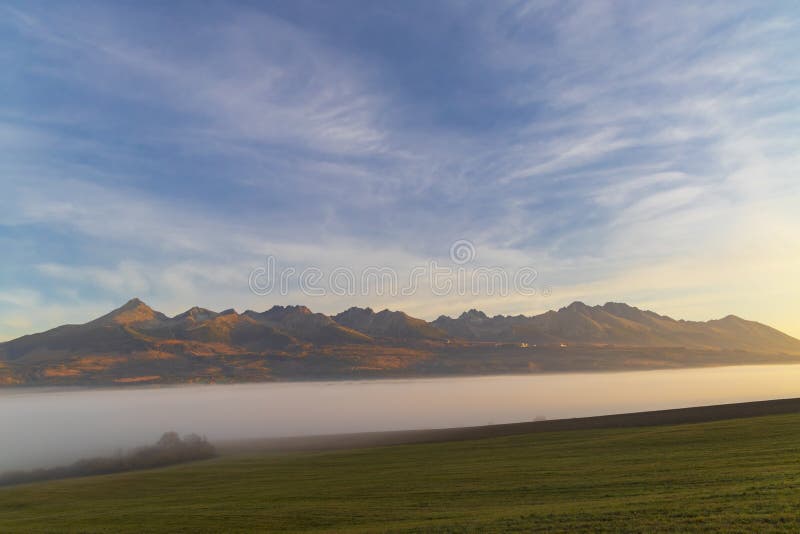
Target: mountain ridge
x=134, y=342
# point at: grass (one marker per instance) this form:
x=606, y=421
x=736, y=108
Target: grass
x=729, y=476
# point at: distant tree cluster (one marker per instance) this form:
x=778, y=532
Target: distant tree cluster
x=170, y=449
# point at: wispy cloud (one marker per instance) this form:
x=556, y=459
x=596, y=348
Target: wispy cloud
x=619, y=147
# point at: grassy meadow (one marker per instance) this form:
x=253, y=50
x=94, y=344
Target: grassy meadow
x=738, y=475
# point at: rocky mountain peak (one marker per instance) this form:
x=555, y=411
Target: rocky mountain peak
x=472, y=315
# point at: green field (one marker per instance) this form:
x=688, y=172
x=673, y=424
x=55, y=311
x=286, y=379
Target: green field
x=729, y=476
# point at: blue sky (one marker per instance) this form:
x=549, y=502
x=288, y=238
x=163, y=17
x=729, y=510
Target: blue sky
x=644, y=152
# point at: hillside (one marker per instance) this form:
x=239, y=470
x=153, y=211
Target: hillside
x=618, y=324
x=388, y=324
x=738, y=475
x=136, y=344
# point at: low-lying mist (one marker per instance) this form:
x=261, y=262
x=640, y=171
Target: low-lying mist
x=44, y=428
x=170, y=449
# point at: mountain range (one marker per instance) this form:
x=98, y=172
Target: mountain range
x=136, y=344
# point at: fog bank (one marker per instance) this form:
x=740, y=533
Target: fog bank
x=48, y=427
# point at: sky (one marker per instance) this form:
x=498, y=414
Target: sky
x=643, y=152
